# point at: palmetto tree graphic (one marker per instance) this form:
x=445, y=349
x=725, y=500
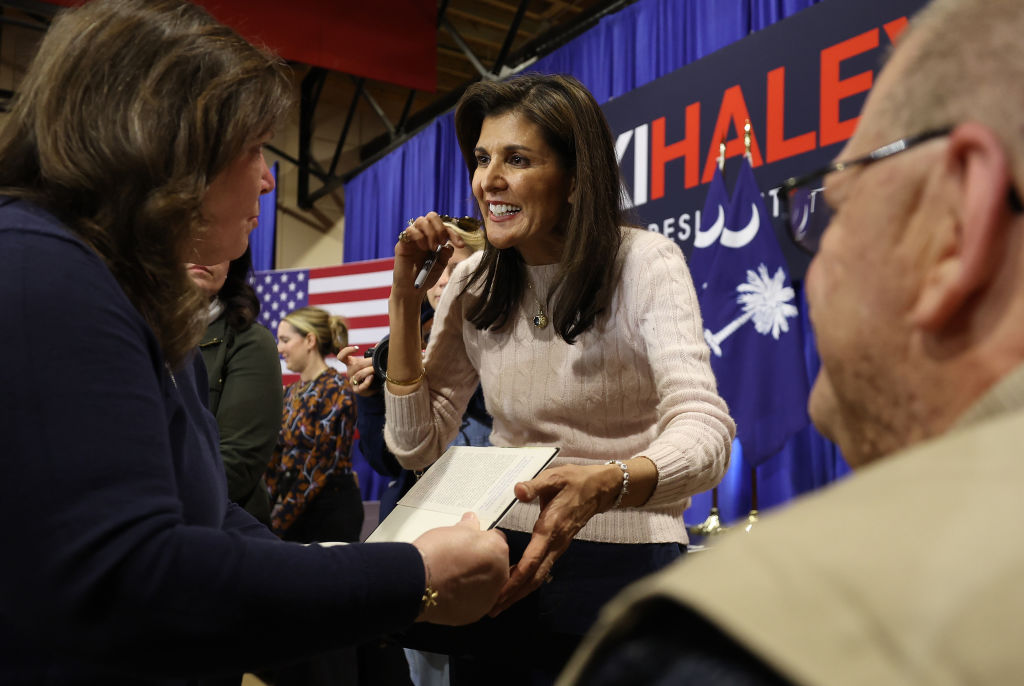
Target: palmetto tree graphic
x=765, y=299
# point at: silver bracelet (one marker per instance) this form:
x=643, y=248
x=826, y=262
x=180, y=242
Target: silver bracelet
x=625, y=481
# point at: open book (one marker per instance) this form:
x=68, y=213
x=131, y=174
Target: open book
x=464, y=479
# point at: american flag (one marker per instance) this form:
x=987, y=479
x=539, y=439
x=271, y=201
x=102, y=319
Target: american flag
x=358, y=291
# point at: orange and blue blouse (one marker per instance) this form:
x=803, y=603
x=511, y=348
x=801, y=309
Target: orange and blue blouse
x=315, y=443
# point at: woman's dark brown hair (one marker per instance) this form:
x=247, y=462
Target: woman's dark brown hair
x=127, y=113
x=573, y=125
x=241, y=306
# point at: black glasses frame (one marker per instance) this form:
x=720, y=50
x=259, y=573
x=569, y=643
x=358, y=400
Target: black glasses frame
x=797, y=182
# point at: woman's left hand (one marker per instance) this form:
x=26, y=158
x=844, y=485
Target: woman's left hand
x=569, y=496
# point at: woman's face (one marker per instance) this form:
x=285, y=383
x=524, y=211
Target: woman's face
x=434, y=294
x=294, y=348
x=231, y=206
x=209, y=278
x=521, y=187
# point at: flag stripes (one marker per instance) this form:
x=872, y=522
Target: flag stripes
x=357, y=291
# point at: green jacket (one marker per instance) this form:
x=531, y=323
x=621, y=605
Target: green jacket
x=245, y=397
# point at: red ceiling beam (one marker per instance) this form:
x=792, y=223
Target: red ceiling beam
x=393, y=40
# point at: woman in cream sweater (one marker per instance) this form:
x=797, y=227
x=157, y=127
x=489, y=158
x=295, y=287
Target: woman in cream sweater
x=584, y=334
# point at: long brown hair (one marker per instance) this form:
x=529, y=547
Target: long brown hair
x=127, y=113
x=573, y=125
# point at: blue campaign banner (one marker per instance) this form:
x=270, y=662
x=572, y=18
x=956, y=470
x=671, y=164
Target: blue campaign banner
x=801, y=82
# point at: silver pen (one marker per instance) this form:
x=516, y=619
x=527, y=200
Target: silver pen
x=425, y=269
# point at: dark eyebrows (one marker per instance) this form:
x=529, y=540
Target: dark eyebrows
x=507, y=148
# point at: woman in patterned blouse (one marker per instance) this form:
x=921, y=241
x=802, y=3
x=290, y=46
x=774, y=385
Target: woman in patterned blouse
x=313, y=490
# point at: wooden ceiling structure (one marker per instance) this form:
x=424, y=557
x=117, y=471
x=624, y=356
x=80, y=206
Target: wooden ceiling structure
x=475, y=39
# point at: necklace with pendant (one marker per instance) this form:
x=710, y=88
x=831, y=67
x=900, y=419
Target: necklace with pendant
x=540, y=320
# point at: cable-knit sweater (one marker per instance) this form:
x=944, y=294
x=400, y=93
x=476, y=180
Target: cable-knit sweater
x=638, y=383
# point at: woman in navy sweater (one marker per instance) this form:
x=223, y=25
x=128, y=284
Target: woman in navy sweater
x=136, y=146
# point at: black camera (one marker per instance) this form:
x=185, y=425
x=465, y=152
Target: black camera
x=379, y=353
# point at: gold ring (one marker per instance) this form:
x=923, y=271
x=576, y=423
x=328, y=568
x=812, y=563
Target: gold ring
x=404, y=237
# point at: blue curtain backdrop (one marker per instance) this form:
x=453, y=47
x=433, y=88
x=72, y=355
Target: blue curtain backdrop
x=624, y=51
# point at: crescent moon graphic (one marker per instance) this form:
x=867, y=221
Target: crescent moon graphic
x=704, y=239
x=738, y=239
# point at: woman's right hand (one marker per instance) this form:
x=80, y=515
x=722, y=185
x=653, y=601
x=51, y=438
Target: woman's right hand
x=415, y=244
x=466, y=567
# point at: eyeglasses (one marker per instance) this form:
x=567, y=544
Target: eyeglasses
x=802, y=206
x=464, y=223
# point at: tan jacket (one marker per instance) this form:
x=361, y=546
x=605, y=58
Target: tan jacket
x=911, y=571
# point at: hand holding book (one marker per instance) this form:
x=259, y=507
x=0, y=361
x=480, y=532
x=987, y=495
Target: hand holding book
x=465, y=568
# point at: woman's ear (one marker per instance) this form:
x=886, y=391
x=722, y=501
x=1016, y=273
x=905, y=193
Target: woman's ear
x=977, y=181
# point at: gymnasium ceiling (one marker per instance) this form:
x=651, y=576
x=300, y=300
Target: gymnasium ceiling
x=372, y=73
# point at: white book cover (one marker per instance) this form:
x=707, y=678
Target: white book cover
x=464, y=479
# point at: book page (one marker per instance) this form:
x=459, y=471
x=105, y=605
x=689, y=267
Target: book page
x=464, y=479
x=405, y=524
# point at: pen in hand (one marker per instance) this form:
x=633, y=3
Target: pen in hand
x=425, y=269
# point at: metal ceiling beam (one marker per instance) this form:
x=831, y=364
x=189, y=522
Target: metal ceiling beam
x=507, y=7
x=309, y=97
x=312, y=86
x=510, y=37
x=330, y=185
x=360, y=83
x=331, y=181
x=405, y=111
x=477, y=64
x=379, y=110
x=292, y=160
x=478, y=20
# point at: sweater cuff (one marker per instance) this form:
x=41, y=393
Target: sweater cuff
x=678, y=479
x=407, y=420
